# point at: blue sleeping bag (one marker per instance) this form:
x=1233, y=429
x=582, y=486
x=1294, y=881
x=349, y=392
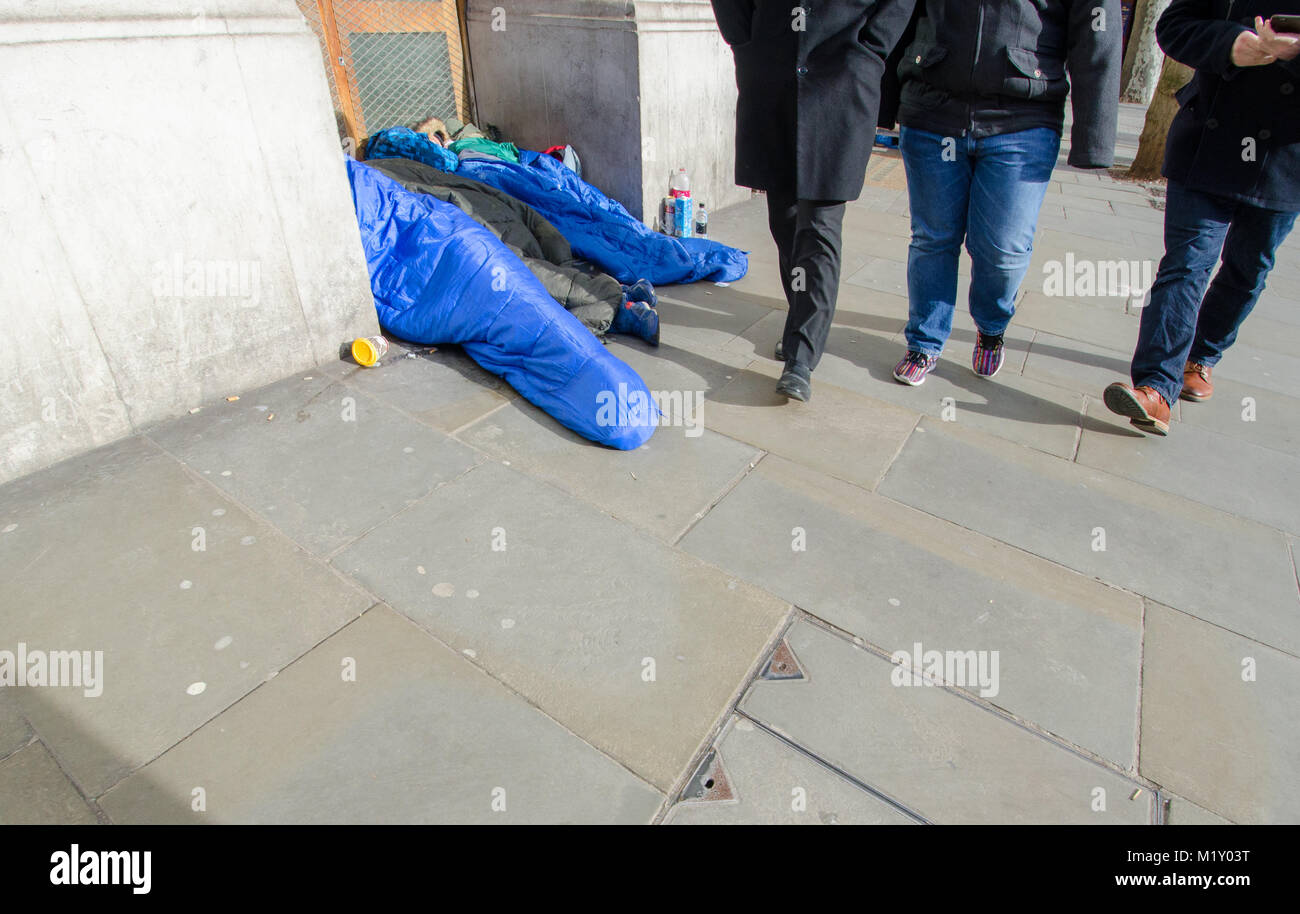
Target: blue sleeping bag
x=599, y=229
x=440, y=277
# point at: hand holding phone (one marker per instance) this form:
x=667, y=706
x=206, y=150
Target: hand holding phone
x=1265, y=45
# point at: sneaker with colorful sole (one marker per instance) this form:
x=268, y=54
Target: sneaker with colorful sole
x=914, y=367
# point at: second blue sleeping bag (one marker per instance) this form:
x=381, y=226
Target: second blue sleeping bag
x=440, y=277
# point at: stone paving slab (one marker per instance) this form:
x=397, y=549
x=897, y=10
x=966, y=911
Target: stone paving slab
x=1260, y=368
x=934, y=752
x=570, y=611
x=821, y=433
x=670, y=368
x=1142, y=212
x=1148, y=243
x=14, y=732
x=1054, y=243
x=661, y=487
x=1278, y=305
x=1029, y=412
x=33, y=791
x=888, y=276
x=1069, y=647
x=878, y=198
x=1185, y=812
x=876, y=245
x=445, y=389
x=1158, y=545
x=1260, y=332
x=695, y=317
x=1086, y=203
x=1115, y=193
x=103, y=559
x=759, y=340
x=861, y=359
x=1106, y=325
x=1099, y=226
x=761, y=285
x=1200, y=465
x=420, y=736
x=774, y=784
x=1227, y=744
x=311, y=469
x=860, y=307
x=743, y=225
x=1075, y=365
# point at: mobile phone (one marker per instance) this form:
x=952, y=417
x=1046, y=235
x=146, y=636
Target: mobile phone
x=1289, y=24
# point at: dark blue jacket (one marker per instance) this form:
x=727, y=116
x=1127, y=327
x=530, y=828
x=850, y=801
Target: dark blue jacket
x=988, y=67
x=1238, y=133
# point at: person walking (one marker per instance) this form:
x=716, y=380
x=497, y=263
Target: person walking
x=982, y=112
x=809, y=79
x=1232, y=160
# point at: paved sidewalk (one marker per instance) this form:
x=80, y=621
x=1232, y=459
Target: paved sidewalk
x=404, y=594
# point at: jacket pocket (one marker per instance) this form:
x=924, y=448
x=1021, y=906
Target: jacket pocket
x=918, y=60
x=1034, y=75
x=919, y=77
x=1186, y=96
x=930, y=56
x=753, y=31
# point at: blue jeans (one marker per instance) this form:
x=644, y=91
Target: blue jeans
x=1182, y=321
x=987, y=193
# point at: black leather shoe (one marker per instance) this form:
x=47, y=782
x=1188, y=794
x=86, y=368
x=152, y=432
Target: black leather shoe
x=779, y=352
x=795, y=383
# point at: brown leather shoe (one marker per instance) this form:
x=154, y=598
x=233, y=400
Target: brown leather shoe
x=1196, y=382
x=1145, y=408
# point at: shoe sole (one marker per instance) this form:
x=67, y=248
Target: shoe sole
x=1194, y=398
x=1120, y=400
x=793, y=394
x=908, y=381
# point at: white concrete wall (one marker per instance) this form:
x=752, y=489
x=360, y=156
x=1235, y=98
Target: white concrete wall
x=688, y=103
x=143, y=137
x=639, y=87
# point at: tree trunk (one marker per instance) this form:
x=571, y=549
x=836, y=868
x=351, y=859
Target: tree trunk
x=1143, y=59
x=1151, y=148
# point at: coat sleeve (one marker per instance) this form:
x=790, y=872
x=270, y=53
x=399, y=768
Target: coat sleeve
x=1191, y=34
x=1095, y=58
x=555, y=247
x=885, y=25
x=735, y=19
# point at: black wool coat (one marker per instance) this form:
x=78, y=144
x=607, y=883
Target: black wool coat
x=809, y=78
x=1237, y=133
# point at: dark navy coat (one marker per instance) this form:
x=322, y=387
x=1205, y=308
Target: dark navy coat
x=1238, y=132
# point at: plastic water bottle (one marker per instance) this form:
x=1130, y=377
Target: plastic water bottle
x=701, y=222
x=681, y=184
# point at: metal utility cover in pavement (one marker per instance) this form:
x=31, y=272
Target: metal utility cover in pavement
x=782, y=665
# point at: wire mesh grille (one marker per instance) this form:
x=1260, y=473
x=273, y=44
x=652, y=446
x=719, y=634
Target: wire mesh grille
x=390, y=62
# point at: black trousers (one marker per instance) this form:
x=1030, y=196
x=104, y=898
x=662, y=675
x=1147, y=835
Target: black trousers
x=808, y=234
